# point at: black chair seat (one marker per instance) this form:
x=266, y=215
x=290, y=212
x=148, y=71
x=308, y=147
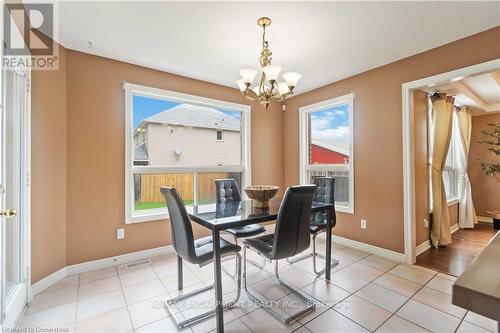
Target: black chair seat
x=263, y=244
x=205, y=251
x=246, y=231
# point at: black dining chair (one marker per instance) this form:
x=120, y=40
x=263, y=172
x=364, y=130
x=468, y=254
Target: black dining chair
x=291, y=237
x=199, y=252
x=324, y=193
x=227, y=191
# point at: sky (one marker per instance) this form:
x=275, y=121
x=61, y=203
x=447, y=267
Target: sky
x=331, y=124
x=145, y=107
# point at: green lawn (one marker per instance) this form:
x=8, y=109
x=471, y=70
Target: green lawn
x=153, y=205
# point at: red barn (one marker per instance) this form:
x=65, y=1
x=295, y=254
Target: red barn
x=329, y=152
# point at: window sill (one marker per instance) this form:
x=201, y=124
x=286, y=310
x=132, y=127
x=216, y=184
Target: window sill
x=452, y=201
x=346, y=210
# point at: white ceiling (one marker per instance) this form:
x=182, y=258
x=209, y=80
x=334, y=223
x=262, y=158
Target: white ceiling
x=481, y=92
x=325, y=41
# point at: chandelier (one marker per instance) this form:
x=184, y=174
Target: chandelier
x=268, y=87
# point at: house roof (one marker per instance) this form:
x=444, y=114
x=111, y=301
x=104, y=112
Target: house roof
x=141, y=153
x=195, y=116
x=341, y=147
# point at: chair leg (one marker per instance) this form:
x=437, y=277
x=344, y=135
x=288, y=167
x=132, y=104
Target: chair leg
x=181, y=322
x=279, y=314
x=335, y=262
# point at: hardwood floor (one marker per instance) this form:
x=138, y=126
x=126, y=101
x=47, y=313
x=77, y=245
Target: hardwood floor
x=453, y=259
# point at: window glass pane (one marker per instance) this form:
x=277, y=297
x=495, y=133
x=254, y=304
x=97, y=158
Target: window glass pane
x=341, y=190
x=329, y=135
x=167, y=133
x=206, y=185
x=147, y=189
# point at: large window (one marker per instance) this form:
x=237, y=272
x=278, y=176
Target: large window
x=326, y=147
x=182, y=141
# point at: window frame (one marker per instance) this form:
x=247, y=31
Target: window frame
x=304, y=166
x=222, y=135
x=130, y=89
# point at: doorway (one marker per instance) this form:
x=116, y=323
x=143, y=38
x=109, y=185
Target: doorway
x=14, y=194
x=456, y=83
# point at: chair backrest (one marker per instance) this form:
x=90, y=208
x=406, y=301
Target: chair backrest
x=182, y=231
x=325, y=192
x=227, y=190
x=291, y=234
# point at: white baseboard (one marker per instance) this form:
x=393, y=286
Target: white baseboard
x=421, y=248
x=47, y=281
x=485, y=219
x=388, y=254
x=88, y=266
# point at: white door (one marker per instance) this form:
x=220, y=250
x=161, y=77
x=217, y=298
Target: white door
x=14, y=124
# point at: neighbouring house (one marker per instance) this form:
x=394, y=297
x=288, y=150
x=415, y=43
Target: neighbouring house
x=329, y=152
x=188, y=135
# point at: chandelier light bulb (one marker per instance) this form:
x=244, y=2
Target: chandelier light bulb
x=271, y=72
x=292, y=78
x=241, y=85
x=248, y=75
x=283, y=88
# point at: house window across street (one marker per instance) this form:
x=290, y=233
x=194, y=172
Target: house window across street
x=169, y=142
x=326, y=146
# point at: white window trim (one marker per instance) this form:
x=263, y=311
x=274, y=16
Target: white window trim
x=303, y=149
x=245, y=168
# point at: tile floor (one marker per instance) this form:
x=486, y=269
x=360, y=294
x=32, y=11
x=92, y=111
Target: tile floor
x=366, y=293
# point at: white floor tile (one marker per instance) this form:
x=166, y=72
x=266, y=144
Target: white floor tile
x=378, y=263
x=358, y=309
x=98, y=274
x=54, y=298
x=129, y=278
x=362, y=271
x=403, y=286
x=348, y=281
x=411, y=274
x=188, y=279
x=466, y=327
x=383, y=297
x=148, y=311
x=326, y=292
x=236, y=326
x=142, y=291
x=481, y=321
x=67, y=282
x=97, y=305
x=440, y=301
x=332, y=321
x=440, y=284
x=397, y=324
x=113, y=321
x=57, y=316
x=165, y=325
x=100, y=286
x=259, y=321
x=428, y=317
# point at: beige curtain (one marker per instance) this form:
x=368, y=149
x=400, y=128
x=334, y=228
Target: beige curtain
x=466, y=214
x=442, y=110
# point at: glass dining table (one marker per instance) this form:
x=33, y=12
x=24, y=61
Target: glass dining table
x=219, y=217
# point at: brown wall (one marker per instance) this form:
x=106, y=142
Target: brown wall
x=378, y=134
x=96, y=153
x=485, y=190
x=48, y=164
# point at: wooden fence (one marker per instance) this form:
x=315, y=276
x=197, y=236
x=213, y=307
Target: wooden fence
x=148, y=186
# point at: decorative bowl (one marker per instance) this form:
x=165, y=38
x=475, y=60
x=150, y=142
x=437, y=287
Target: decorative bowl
x=260, y=194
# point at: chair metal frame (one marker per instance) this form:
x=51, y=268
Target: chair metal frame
x=182, y=322
x=280, y=315
x=314, y=254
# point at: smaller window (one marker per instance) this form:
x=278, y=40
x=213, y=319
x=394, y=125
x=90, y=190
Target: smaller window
x=220, y=135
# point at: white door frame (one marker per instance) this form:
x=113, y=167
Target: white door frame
x=408, y=142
